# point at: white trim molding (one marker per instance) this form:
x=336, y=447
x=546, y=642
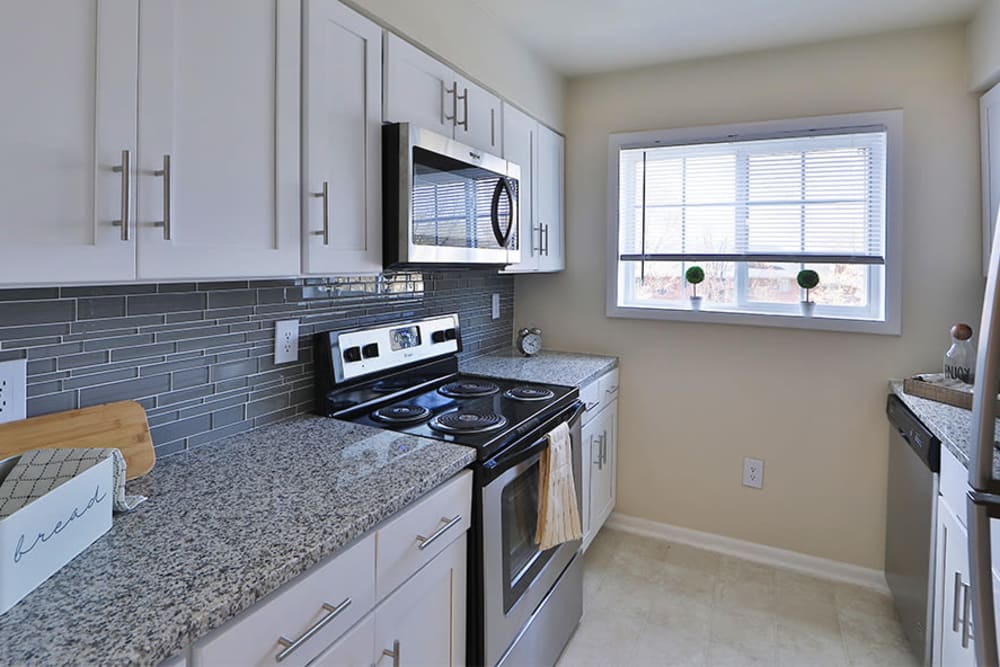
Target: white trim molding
x=822, y=568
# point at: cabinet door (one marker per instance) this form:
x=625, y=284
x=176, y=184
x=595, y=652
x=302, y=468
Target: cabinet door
x=423, y=622
x=342, y=120
x=68, y=75
x=952, y=578
x=603, y=464
x=520, y=146
x=353, y=649
x=479, y=118
x=549, y=197
x=218, y=178
x=989, y=128
x=418, y=88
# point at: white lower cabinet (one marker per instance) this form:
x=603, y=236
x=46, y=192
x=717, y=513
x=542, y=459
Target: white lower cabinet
x=332, y=615
x=600, y=452
x=952, y=643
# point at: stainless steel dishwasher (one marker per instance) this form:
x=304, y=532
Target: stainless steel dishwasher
x=911, y=517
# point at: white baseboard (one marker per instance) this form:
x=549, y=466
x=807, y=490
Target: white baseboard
x=815, y=566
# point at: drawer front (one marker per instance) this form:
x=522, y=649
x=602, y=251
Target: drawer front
x=954, y=481
x=591, y=397
x=346, y=585
x=609, y=387
x=416, y=535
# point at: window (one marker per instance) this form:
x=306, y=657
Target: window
x=753, y=205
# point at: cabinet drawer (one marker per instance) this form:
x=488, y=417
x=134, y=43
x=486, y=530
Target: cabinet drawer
x=416, y=535
x=609, y=387
x=591, y=397
x=346, y=583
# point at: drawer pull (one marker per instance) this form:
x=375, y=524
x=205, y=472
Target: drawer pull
x=611, y=390
x=591, y=406
x=427, y=541
x=291, y=646
x=394, y=653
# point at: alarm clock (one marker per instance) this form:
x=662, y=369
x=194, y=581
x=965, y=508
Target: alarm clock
x=529, y=341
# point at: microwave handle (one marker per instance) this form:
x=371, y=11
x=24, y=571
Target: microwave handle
x=503, y=188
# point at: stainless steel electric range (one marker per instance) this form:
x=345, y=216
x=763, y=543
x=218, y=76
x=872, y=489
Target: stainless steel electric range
x=524, y=604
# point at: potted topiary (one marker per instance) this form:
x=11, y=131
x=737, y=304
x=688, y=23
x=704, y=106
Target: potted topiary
x=695, y=275
x=807, y=280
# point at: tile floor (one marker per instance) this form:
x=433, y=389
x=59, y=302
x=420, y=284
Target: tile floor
x=647, y=602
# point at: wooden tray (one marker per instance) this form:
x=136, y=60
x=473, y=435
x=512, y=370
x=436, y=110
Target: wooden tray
x=120, y=425
x=960, y=399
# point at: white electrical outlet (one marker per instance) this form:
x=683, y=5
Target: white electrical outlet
x=13, y=390
x=286, y=341
x=753, y=473
x=496, y=306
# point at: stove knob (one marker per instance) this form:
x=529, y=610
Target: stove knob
x=438, y=337
x=352, y=354
x=370, y=350
x=450, y=334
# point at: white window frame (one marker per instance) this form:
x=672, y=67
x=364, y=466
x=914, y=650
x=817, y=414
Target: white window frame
x=791, y=318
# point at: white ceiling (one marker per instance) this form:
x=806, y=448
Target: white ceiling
x=585, y=36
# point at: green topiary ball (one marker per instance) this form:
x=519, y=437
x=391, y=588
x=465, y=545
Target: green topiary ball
x=694, y=275
x=807, y=279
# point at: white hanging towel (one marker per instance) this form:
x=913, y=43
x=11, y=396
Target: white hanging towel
x=558, y=514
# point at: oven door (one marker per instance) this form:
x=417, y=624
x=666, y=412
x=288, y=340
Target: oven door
x=461, y=205
x=517, y=575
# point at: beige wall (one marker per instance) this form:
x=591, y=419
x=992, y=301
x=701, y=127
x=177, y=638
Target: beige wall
x=697, y=398
x=463, y=33
x=984, y=45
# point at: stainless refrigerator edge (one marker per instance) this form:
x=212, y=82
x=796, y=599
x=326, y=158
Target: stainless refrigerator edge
x=983, y=497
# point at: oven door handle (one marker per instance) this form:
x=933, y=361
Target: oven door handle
x=508, y=460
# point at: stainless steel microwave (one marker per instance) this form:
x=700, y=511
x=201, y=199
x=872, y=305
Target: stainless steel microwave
x=445, y=203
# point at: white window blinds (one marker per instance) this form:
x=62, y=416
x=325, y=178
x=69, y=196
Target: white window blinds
x=816, y=198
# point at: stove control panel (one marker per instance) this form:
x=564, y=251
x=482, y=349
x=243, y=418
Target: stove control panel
x=363, y=352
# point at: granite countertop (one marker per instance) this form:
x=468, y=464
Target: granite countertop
x=951, y=425
x=565, y=368
x=225, y=524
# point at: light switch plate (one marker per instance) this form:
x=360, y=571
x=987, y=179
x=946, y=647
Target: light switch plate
x=286, y=341
x=13, y=390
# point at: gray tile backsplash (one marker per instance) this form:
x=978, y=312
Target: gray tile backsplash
x=199, y=356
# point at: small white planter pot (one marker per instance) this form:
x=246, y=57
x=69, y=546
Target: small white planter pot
x=807, y=308
x=696, y=303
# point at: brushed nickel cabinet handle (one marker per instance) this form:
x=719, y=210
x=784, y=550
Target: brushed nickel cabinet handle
x=125, y=169
x=493, y=127
x=453, y=91
x=292, y=645
x=394, y=653
x=611, y=390
x=427, y=541
x=324, y=194
x=465, y=105
x=600, y=448
x=966, y=616
x=955, y=604
x=165, y=173
x=590, y=406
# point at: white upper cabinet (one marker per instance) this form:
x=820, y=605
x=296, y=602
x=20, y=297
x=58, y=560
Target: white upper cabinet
x=989, y=128
x=415, y=88
x=68, y=76
x=549, y=186
x=218, y=157
x=342, y=120
x=520, y=146
x=421, y=90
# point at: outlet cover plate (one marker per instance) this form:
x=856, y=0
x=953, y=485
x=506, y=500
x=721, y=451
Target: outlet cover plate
x=13, y=390
x=753, y=473
x=286, y=341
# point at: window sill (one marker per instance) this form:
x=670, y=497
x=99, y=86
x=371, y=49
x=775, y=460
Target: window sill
x=890, y=327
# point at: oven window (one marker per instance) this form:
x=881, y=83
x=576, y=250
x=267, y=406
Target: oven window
x=521, y=559
x=452, y=203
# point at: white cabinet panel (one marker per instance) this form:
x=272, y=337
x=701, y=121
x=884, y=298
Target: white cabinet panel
x=603, y=466
x=219, y=95
x=989, y=128
x=68, y=74
x=479, y=121
x=520, y=146
x=952, y=576
x=549, y=197
x=353, y=649
x=342, y=119
x=424, y=621
x=415, y=88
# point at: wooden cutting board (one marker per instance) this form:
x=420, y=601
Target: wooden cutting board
x=121, y=425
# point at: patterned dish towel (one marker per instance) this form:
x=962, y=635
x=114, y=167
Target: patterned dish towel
x=39, y=471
